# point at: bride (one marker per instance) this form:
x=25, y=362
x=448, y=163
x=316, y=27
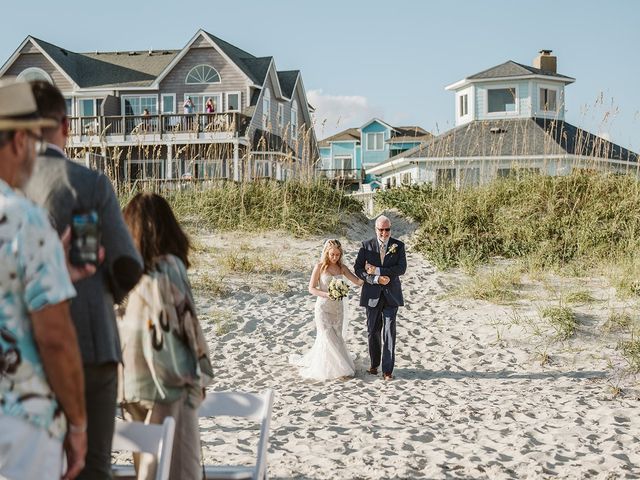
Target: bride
x=329, y=357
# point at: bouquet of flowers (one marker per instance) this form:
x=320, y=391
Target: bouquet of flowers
x=338, y=289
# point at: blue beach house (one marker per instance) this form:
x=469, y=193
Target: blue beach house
x=346, y=155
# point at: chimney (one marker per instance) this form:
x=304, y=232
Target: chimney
x=546, y=62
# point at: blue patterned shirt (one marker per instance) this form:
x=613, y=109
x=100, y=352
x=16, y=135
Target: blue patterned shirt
x=33, y=275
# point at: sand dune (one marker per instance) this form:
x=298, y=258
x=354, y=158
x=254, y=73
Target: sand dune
x=470, y=398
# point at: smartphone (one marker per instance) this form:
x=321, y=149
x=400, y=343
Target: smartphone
x=85, y=237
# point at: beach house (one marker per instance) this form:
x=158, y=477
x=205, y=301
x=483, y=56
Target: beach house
x=509, y=119
x=345, y=156
x=144, y=114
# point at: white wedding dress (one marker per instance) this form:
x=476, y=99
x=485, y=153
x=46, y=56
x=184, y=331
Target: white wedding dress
x=329, y=357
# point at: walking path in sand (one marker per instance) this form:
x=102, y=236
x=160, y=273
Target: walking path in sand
x=471, y=398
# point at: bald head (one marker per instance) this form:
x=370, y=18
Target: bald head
x=383, y=228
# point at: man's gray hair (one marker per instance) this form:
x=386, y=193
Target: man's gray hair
x=382, y=219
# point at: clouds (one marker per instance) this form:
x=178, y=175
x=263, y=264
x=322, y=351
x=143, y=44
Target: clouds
x=335, y=113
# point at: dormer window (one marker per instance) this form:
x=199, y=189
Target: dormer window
x=375, y=141
x=202, y=74
x=548, y=100
x=501, y=100
x=464, y=105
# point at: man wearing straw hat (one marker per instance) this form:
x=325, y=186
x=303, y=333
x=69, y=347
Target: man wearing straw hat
x=41, y=384
x=62, y=186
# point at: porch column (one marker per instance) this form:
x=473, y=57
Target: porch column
x=168, y=174
x=236, y=163
x=87, y=160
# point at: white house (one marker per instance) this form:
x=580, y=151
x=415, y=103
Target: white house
x=509, y=118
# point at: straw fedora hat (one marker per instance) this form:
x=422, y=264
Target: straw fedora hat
x=18, y=109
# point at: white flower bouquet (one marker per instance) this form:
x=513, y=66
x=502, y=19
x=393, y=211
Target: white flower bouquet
x=338, y=289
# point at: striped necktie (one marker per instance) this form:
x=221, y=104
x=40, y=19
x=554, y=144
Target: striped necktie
x=382, y=252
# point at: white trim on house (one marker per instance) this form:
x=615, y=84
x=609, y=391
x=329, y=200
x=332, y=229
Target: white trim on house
x=559, y=100
x=16, y=54
x=226, y=101
x=465, y=81
x=501, y=113
x=203, y=83
x=367, y=147
x=393, y=165
x=123, y=99
x=36, y=70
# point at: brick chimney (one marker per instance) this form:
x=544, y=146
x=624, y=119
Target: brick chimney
x=546, y=62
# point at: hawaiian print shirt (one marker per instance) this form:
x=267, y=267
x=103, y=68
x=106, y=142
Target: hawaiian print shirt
x=33, y=275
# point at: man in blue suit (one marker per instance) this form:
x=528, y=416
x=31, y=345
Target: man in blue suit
x=380, y=262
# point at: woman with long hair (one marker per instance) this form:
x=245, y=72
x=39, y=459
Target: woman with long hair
x=165, y=356
x=329, y=357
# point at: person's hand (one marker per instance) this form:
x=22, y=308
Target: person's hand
x=370, y=269
x=383, y=280
x=75, y=446
x=78, y=272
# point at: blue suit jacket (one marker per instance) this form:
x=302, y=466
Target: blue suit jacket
x=394, y=265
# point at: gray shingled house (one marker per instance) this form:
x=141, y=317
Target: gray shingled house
x=127, y=110
x=509, y=119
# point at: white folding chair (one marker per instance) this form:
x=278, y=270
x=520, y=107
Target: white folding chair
x=140, y=437
x=252, y=406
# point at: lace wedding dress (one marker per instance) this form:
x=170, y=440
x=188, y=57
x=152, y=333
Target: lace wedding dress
x=329, y=357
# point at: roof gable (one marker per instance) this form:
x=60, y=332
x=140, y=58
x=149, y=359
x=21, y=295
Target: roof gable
x=288, y=81
x=377, y=120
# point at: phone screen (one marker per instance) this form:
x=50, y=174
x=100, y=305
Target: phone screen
x=85, y=238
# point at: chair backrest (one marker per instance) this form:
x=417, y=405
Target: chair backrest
x=148, y=438
x=253, y=406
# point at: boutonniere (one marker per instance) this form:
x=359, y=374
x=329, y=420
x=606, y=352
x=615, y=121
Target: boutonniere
x=392, y=249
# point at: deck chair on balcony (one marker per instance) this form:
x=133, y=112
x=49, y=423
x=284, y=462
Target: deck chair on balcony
x=251, y=406
x=144, y=438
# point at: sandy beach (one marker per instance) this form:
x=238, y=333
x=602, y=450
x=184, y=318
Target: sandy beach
x=480, y=391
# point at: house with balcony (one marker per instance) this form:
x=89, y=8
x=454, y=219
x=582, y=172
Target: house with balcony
x=509, y=119
x=345, y=156
x=143, y=114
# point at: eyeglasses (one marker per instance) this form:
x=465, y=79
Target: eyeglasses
x=41, y=144
x=383, y=229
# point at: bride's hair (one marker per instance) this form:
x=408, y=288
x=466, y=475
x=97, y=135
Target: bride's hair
x=324, y=258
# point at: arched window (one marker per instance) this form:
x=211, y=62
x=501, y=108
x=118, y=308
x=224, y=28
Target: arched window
x=202, y=74
x=34, y=73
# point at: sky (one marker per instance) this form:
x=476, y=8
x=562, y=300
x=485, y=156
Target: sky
x=370, y=58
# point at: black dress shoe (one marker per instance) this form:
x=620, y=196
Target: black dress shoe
x=373, y=371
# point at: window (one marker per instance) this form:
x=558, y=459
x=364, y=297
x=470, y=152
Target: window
x=375, y=141
x=280, y=115
x=294, y=119
x=202, y=74
x=168, y=103
x=199, y=101
x=469, y=177
x=464, y=105
x=266, y=108
x=445, y=176
x=501, y=100
x=87, y=107
x=233, y=102
x=68, y=102
x=136, y=105
x=34, y=73
x=548, y=100
x=406, y=178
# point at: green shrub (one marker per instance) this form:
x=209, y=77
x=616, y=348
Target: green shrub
x=552, y=221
